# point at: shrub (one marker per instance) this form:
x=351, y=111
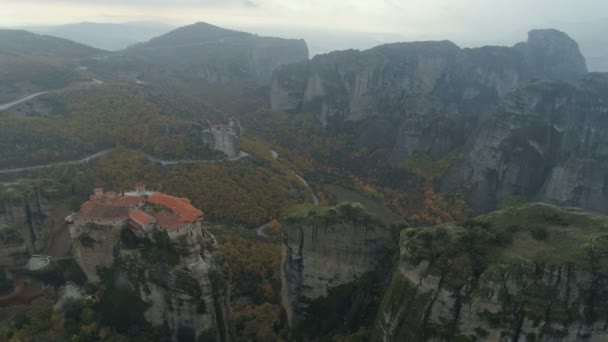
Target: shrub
x=6, y=285
x=410, y=232
x=128, y=239
x=186, y=334
x=160, y=250
x=539, y=233
x=122, y=308
x=502, y=237
x=511, y=201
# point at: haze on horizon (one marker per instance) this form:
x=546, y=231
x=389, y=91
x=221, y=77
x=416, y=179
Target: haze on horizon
x=337, y=24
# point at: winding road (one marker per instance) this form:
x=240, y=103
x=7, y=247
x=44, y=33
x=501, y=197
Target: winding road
x=164, y=162
x=315, y=200
x=79, y=161
x=27, y=98
x=106, y=151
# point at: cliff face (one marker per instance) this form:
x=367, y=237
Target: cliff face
x=219, y=55
x=551, y=54
x=473, y=283
x=545, y=142
x=436, y=91
x=95, y=248
x=190, y=294
x=323, y=249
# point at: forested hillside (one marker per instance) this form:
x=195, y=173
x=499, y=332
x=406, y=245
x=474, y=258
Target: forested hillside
x=31, y=63
x=84, y=121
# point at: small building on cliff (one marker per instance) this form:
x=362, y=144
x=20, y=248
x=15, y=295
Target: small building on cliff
x=224, y=137
x=141, y=210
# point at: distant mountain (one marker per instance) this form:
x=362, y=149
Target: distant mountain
x=107, y=36
x=31, y=63
x=219, y=55
x=20, y=42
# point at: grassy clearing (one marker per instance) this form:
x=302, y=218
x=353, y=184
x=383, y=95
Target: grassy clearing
x=374, y=206
x=539, y=233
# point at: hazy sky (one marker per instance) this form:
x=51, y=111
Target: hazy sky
x=423, y=19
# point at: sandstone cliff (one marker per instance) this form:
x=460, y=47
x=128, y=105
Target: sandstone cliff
x=528, y=273
x=435, y=92
x=325, y=249
x=189, y=294
x=545, y=142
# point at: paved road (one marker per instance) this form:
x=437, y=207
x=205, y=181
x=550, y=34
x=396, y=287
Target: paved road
x=194, y=161
x=315, y=199
x=261, y=231
x=14, y=103
x=79, y=161
x=106, y=151
x=29, y=97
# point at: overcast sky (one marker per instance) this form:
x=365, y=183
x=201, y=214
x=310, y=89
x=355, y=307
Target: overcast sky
x=410, y=18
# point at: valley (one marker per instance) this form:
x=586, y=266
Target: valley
x=214, y=185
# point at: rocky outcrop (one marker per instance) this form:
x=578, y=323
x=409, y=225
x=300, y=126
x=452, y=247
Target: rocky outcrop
x=188, y=295
x=435, y=91
x=324, y=248
x=96, y=248
x=551, y=54
x=224, y=138
x=472, y=283
x=545, y=142
x=219, y=55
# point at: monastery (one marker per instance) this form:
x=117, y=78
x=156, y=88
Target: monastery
x=224, y=137
x=141, y=210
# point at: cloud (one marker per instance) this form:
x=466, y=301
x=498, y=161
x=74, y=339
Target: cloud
x=158, y=3
x=419, y=19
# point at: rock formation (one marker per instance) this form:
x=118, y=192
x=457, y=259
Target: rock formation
x=545, y=142
x=187, y=294
x=528, y=120
x=324, y=248
x=528, y=273
x=224, y=138
x=435, y=92
x=219, y=55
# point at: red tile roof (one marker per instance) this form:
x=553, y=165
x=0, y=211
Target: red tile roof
x=128, y=200
x=168, y=221
x=140, y=217
x=134, y=224
x=102, y=211
x=181, y=207
x=108, y=207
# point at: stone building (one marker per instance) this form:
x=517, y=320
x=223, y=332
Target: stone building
x=141, y=210
x=224, y=137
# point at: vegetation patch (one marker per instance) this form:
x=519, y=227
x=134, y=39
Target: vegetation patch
x=344, y=212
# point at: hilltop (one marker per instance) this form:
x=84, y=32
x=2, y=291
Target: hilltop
x=107, y=36
x=20, y=42
x=220, y=55
x=533, y=271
